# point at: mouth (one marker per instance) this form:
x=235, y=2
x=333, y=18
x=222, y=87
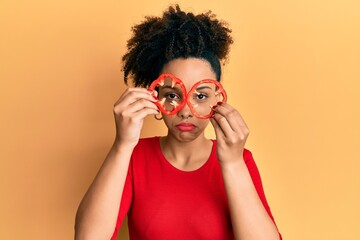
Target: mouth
x=185, y=127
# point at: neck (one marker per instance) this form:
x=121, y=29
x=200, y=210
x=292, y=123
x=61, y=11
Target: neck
x=186, y=153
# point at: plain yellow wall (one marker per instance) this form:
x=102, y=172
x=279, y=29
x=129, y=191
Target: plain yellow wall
x=293, y=73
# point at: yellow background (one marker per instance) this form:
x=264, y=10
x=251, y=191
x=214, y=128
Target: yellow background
x=293, y=73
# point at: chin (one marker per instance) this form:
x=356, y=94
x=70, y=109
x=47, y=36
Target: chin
x=186, y=136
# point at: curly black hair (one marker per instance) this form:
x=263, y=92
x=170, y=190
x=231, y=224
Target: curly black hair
x=177, y=34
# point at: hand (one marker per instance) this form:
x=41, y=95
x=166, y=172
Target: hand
x=129, y=111
x=231, y=133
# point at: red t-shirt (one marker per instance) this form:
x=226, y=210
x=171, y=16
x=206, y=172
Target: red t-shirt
x=163, y=202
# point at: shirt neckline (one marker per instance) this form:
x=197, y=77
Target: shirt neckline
x=173, y=168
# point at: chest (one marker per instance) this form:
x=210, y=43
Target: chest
x=176, y=205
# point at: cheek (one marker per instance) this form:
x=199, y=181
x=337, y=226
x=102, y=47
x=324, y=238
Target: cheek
x=205, y=122
x=168, y=119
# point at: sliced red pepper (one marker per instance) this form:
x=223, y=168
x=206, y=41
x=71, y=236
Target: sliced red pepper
x=159, y=82
x=220, y=90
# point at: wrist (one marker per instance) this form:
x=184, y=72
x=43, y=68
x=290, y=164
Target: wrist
x=234, y=164
x=121, y=146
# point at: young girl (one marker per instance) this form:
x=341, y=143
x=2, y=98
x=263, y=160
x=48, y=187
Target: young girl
x=182, y=185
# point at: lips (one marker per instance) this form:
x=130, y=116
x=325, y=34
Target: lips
x=185, y=127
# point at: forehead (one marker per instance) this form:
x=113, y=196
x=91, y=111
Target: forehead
x=189, y=70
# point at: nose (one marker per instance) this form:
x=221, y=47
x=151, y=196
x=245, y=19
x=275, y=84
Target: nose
x=184, y=112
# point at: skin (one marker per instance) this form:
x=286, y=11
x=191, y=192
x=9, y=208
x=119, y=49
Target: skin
x=249, y=218
x=176, y=140
x=97, y=213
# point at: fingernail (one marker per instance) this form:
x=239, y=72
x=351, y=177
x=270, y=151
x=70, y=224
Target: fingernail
x=156, y=98
x=150, y=91
x=219, y=103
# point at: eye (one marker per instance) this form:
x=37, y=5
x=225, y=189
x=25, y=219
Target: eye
x=201, y=96
x=172, y=96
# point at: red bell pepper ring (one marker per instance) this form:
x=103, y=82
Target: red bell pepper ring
x=220, y=90
x=159, y=82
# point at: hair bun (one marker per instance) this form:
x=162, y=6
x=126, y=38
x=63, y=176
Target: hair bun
x=176, y=34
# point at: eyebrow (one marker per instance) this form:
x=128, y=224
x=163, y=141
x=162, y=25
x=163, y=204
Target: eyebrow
x=169, y=87
x=198, y=88
x=203, y=87
x=165, y=87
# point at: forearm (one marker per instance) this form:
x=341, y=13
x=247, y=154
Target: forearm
x=97, y=214
x=248, y=215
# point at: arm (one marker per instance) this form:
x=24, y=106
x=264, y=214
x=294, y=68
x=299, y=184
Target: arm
x=249, y=218
x=97, y=214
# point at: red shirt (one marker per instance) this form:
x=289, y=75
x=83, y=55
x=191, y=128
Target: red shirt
x=163, y=202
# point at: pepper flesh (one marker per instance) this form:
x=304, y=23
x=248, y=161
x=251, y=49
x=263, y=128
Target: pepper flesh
x=160, y=81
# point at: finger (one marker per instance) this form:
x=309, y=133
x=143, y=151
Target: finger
x=218, y=131
x=235, y=121
x=132, y=94
x=141, y=114
x=137, y=106
x=233, y=117
x=136, y=89
x=223, y=124
x=140, y=104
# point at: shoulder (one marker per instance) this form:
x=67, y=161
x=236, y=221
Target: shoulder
x=148, y=141
x=145, y=155
x=248, y=155
x=145, y=145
